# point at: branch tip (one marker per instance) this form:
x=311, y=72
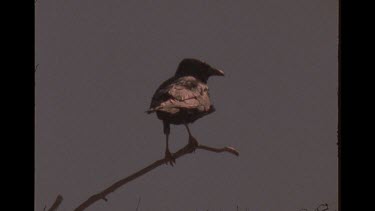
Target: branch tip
x=232, y=150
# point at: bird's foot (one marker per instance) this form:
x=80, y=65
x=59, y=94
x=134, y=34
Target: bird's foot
x=169, y=159
x=193, y=143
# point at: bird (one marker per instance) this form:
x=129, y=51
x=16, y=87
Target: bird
x=184, y=98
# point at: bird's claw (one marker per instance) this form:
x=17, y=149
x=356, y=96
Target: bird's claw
x=169, y=159
x=193, y=143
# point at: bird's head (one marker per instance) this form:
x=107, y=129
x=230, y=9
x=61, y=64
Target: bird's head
x=198, y=69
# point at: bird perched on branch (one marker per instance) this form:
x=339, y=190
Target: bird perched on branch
x=184, y=98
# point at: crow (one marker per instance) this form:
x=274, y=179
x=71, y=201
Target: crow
x=184, y=98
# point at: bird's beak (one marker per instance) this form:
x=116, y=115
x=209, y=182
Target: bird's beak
x=218, y=72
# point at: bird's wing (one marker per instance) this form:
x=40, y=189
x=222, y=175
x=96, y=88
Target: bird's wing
x=183, y=93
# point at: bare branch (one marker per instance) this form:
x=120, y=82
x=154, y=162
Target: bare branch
x=183, y=151
x=56, y=204
x=224, y=149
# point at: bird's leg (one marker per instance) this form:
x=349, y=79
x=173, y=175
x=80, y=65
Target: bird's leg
x=192, y=141
x=168, y=155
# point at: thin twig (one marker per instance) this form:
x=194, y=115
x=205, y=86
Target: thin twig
x=139, y=201
x=57, y=203
x=183, y=151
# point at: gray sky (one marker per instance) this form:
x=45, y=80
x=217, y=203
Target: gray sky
x=101, y=61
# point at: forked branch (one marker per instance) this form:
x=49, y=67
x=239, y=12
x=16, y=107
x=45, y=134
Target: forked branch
x=183, y=151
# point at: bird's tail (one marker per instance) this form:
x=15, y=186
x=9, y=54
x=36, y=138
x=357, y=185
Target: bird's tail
x=151, y=110
x=212, y=109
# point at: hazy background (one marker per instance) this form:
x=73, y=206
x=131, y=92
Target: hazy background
x=101, y=61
